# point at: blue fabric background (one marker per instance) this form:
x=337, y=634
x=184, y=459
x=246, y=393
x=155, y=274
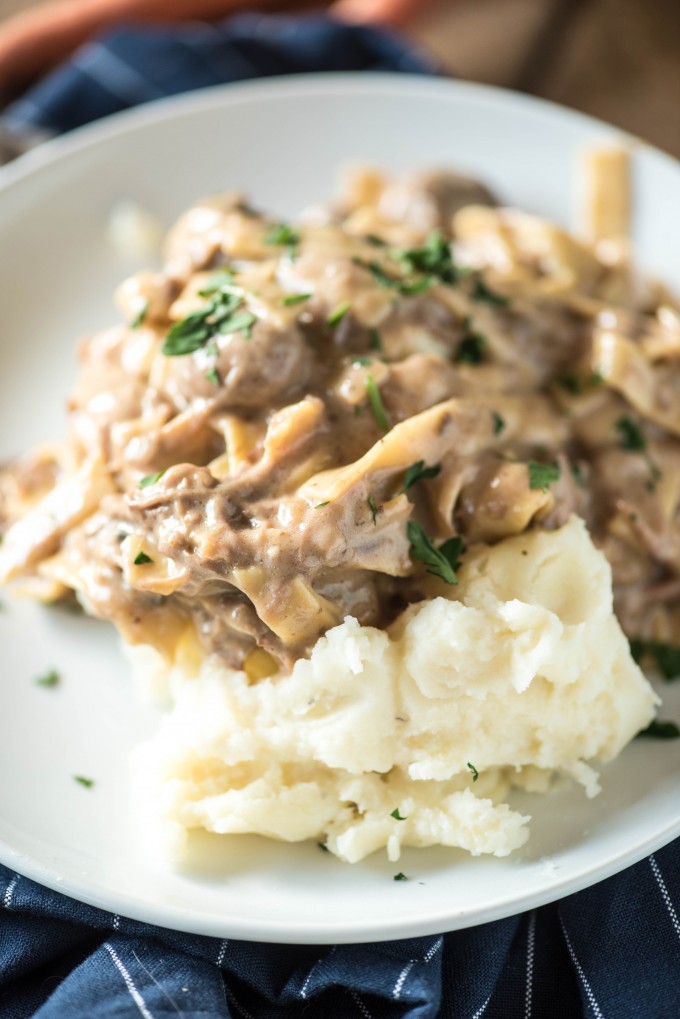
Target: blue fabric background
x=134, y=65
x=611, y=952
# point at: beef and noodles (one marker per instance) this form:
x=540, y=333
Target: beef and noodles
x=369, y=485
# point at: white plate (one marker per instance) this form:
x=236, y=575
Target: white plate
x=282, y=141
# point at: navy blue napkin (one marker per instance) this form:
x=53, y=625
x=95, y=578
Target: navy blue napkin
x=611, y=952
x=134, y=64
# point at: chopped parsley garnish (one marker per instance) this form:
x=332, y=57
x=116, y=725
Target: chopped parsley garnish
x=50, y=678
x=441, y=562
x=320, y=504
x=82, y=780
x=400, y=877
x=240, y=322
x=141, y=559
x=338, y=313
x=140, y=316
x=632, y=438
x=373, y=508
x=222, y=313
x=666, y=657
x=471, y=347
x=655, y=475
x=630, y=435
x=377, y=405
x=219, y=279
x=397, y=816
x=637, y=649
x=323, y=847
x=282, y=235
x=498, y=423
x=295, y=298
x=542, y=475
x=571, y=382
x=151, y=479
x=376, y=343
x=658, y=729
x=362, y=362
x=375, y=241
x=475, y=773
x=482, y=292
x=406, y=287
x=434, y=258
x=419, y=472
x=577, y=475
x=576, y=384
x=213, y=376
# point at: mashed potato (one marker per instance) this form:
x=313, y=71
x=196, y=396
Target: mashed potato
x=412, y=737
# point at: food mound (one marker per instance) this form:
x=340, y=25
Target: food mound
x=332, y=474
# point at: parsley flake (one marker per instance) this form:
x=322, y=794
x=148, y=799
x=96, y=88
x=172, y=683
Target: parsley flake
x=376, y=342
x=140, y=316
x=241, y=321
x=338, y=313
x=377, y=405
x=50, y=678
x=658, y=729
x=295, y=298
x=406, y=287
x=482, y=292
x=400, y=877
x=472, y=345
x=397, y=816
x=82, y=780
x=666, y=657
x=630, y=435
x=542, y=475
x=419, y=472
x=475, y=773
x=151, y=479
x=213, y=376
x=654, y=475
x=141, y=559
x=578, y=475
x=222, y=314
x=373, y=508
x=637, y=649
x=323, y=847
x=320, y=504
x=434, y=258
x=571, y=382
x=498, y=423
x=219, y=279
x=632, y=438
x=362, y=362
x=282, y=235
x=441, y=562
